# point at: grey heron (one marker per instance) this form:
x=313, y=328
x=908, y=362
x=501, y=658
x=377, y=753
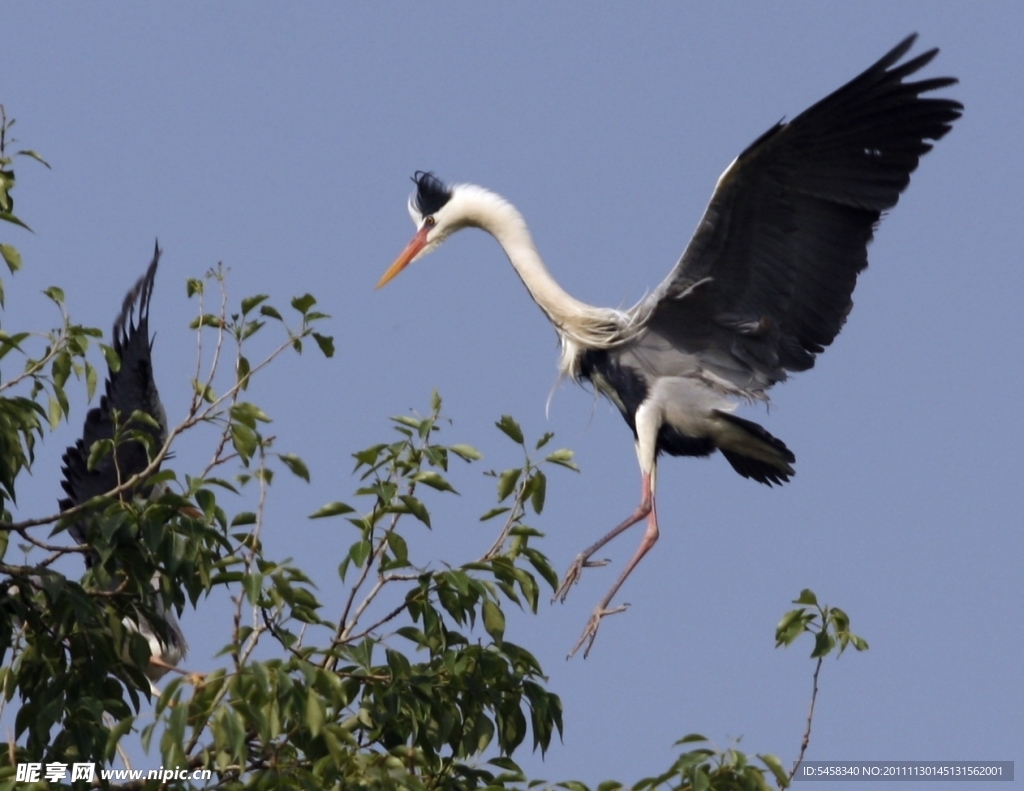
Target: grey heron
x=764, y=285
x=130, y=388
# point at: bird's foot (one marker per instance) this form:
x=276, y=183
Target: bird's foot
x=590, y=630
x=157, y=662
x=572, y=576
x=192, y=678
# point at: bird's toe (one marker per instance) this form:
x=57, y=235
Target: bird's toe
x=572, y=576
x=590, y=630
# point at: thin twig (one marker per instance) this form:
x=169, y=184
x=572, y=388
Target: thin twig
x=220, y=331
x=57, y=550
x=196, y=397
x=810, y=716
x=516, y=513
x=342, y=628
x=390, y=616
x=110, y=723
x=59, y=342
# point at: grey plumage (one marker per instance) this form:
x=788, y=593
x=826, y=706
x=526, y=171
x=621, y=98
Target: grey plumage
x=764, y=285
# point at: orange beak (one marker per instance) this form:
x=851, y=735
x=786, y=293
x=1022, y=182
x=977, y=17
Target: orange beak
x=419, y=241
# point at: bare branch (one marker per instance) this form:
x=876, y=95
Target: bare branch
x=810, y=716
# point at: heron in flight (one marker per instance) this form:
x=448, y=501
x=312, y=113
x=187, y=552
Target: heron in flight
x=764, y=285
x=129, y=389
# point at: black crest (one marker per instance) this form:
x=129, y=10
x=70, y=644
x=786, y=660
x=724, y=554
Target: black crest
x=431, y=193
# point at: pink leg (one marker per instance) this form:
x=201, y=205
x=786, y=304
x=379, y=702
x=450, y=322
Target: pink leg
x=590, y=631
x=646, y=509
x=582, y=560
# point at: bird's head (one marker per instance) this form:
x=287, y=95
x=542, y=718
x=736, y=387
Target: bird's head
x=436, y=212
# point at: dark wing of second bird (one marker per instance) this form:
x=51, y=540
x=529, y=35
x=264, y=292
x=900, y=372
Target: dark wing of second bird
x=128, y=389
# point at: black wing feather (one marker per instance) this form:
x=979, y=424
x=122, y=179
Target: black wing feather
x=128, y=389
x=786, y=232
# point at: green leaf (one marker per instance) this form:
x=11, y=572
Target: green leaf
x=243, y=518
x=823, y=644
x=413, y=634
x=511, y=428
x=433, y=480
x=270, y=312
x=6, y=215
x=204, y=390
x=326, y=344
x=251, y=302
x=793, y=624
x=54, y=413
x=314, y=712
x=399, y=549
x=540, y=482
x=9, y=342
x=248, y=414
x=206, y=320
x=540, y=562
x=416, y=508
x=467, y=452
x=359, y=552
x=332, y=509
x=303, y=303
x=11, y=256
x=206, y=501
x=807, y=597
x=55, y=293
x=91, y=380
x=494, y=621
x=250, y=328
x=28, y=152
x=296, y=465
x=242, y=369
x=507, y=482
x=119, y=730
x=501, y=509
x=773, y=763
x=244, y=440
x=113, y=361
x=563, y=458
x=253, y=586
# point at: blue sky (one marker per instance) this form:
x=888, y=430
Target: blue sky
x=280, y=140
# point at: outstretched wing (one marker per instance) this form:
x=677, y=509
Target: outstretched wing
x=131, y=387
x=766, y=282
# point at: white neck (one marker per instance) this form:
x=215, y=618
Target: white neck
x=579, y=325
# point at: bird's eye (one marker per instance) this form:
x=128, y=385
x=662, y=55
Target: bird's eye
x=429, y=221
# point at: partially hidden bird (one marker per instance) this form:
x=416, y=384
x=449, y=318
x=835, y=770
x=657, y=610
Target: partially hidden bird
x=130, y=388
x=764, y=285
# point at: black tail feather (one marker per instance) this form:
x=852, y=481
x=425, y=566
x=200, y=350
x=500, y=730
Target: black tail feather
x=766, y=472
